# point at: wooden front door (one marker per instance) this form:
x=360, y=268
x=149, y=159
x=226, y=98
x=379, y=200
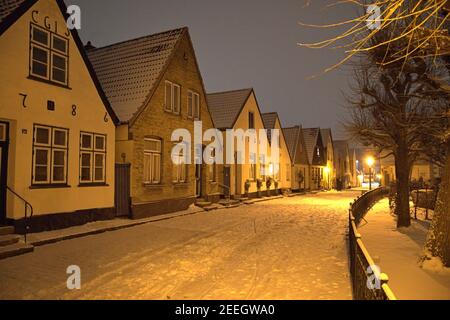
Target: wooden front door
x=4, y=141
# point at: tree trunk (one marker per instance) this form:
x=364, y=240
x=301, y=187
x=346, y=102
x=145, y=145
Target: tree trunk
x=402, y=197
x=438, y=239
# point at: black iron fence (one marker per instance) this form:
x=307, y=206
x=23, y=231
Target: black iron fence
x=368, y=283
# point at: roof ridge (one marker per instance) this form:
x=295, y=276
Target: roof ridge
x=229, y=91
x=138, y=38
x=271, y=112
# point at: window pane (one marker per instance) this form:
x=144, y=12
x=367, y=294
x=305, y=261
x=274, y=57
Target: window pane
x=99, y=160
x=98, y=176
x=86, y=174
x=40, y=36
x=39, y=69
x=59, y=44
x=58, y=174
x=41, y=157
x=168, y=98
x=146, y=168
x=176, y=99
x=59, y=75
x=156, y=168
x=152, y=145
x=197, y=106
x=59, y=62
x=41, y=174
x=43, y=135
x=99, y=143
x=86, y=160
x=86, y=141
x=190, y=114
x=40, y=55
x=59, y=138
x=59, y=158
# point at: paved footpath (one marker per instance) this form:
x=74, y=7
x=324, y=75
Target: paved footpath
x=290, y=248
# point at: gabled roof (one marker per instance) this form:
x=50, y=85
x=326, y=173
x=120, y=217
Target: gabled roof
x=292, y=136
x=7, y=7
x=269, y=119
x=130, y=71
x=12, y=10
x=341, y=144
x=225, y=107
x=311, y=136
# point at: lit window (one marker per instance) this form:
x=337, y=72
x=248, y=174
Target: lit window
x=152, y=161
x=179, y=168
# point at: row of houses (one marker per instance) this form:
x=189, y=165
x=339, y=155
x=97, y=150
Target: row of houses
x=87, y=133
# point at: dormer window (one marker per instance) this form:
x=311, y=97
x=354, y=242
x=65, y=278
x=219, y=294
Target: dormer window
x=49, y=56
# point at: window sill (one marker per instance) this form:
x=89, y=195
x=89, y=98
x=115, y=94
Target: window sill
x=172, y=113
x=49, y=186
x=31, y=77
x=180, y=184
x=95, y=184
x=150, y=185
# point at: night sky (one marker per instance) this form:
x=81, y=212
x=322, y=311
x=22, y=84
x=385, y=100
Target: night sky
x=241, y=44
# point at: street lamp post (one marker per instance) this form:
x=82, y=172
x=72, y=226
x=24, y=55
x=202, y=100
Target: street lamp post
x=370, y=161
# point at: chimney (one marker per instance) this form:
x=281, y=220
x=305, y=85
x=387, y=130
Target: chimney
x=89, y=46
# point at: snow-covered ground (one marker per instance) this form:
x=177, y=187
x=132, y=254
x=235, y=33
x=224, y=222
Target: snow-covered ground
x=397, y=252
x=290, y=248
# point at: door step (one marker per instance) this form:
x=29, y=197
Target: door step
x=202, y=203
x=6, y=230
x=229, y=203
x=15, y=250
x=9, y=239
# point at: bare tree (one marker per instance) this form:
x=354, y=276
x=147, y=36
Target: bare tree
x=392, y=107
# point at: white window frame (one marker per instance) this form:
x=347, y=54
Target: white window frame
x=193, y=109
x=153, y=156
x=175, y=106
x=50, y=147
x=93, y=151
x=50, y=51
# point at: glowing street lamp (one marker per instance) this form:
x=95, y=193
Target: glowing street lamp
x=370, y=161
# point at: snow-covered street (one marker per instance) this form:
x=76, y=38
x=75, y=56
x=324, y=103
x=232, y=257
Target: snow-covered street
x=290, y=248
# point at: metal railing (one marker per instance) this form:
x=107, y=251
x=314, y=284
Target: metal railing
x=27, y=217
x=368, y=283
